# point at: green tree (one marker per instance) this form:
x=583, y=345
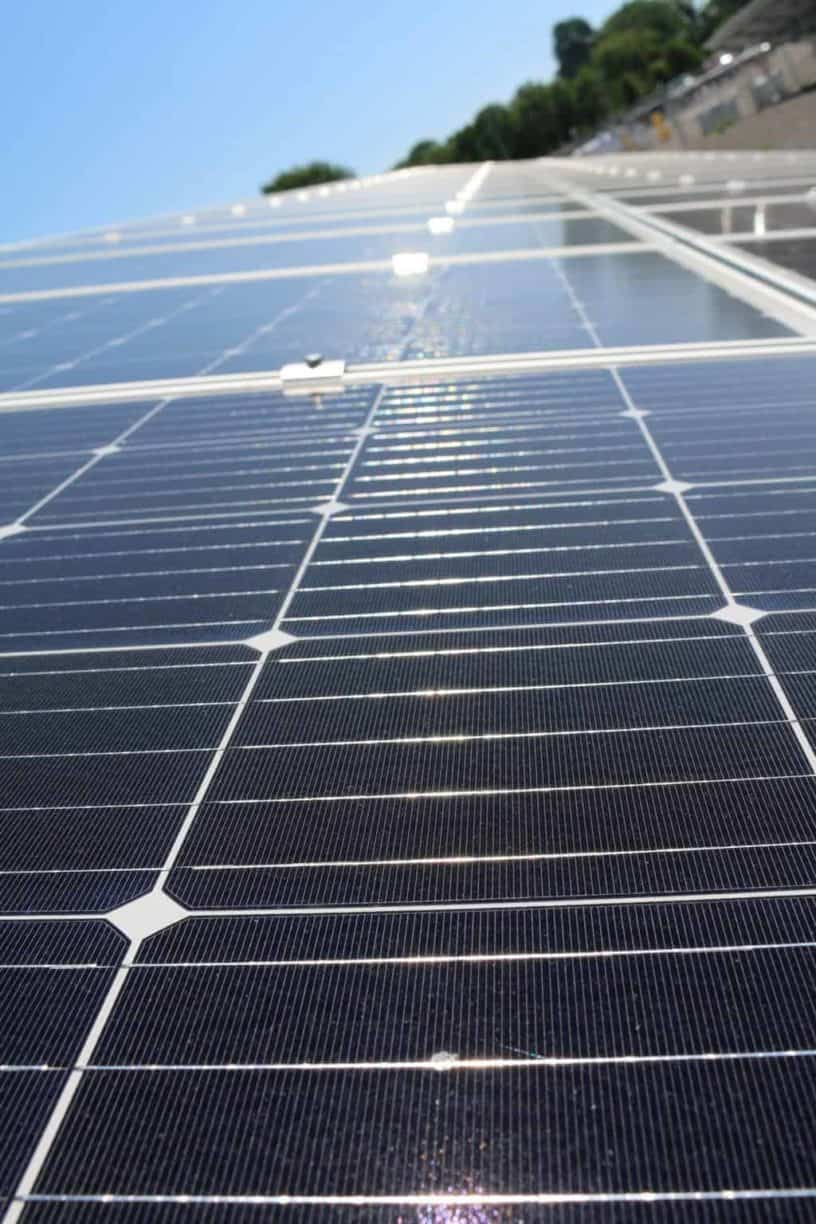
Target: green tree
x=424, y=153
x=489, y=136
x=495, y=132
x=535, y=121
x=589, y=98
x=572, y=44
x=714, y=14
x=680, y=56
x=688, y=10
x=625, y=61
x=660, y=17
x=562, y=99
x=643, y=44
x=307, y=175
x=464, y=145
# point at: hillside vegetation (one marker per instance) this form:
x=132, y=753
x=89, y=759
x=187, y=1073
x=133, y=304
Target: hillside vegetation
x=600, y=72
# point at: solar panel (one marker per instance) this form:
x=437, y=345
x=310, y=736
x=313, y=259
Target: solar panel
x=407, y=765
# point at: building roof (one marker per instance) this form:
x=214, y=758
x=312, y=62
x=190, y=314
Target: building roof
x=765, y=21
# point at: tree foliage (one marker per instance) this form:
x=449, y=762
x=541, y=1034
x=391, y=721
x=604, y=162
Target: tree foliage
x=308, y=175
x=572, y=44
x=663, y=18
x=645, y=44
x=679, y=56
x=590, y=98
x=425, y=153
x=642, y=45
x=534, y=116
x=714, y=14
x=490, y=136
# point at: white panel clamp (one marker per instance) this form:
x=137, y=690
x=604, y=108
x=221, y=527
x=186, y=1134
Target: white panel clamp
x=313, y=376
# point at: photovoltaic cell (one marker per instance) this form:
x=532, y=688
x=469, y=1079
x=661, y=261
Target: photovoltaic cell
x=671, y=1143
x=393, y=828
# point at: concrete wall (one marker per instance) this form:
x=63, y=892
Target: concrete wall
x=757, y=105
x=791, y=125
x=750, y=91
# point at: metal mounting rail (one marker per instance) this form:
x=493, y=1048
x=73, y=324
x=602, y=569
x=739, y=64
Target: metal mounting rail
x=397, y=373
x=783, y=295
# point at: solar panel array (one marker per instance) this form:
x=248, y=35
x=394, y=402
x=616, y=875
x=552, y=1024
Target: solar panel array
x=408, y=787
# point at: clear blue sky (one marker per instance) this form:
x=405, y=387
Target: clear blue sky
x=111, y=110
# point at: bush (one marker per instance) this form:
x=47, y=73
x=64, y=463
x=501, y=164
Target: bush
x=307, y=176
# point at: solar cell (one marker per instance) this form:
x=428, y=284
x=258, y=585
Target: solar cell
x=406, y=789
x=547, y=1140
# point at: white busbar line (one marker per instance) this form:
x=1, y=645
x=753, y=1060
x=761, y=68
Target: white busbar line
x=438, y=1064
x=446, y=1203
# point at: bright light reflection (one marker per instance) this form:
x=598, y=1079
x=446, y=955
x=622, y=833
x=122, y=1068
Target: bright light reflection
x=458, y=1213
x=441, y=225
x=410, y=263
